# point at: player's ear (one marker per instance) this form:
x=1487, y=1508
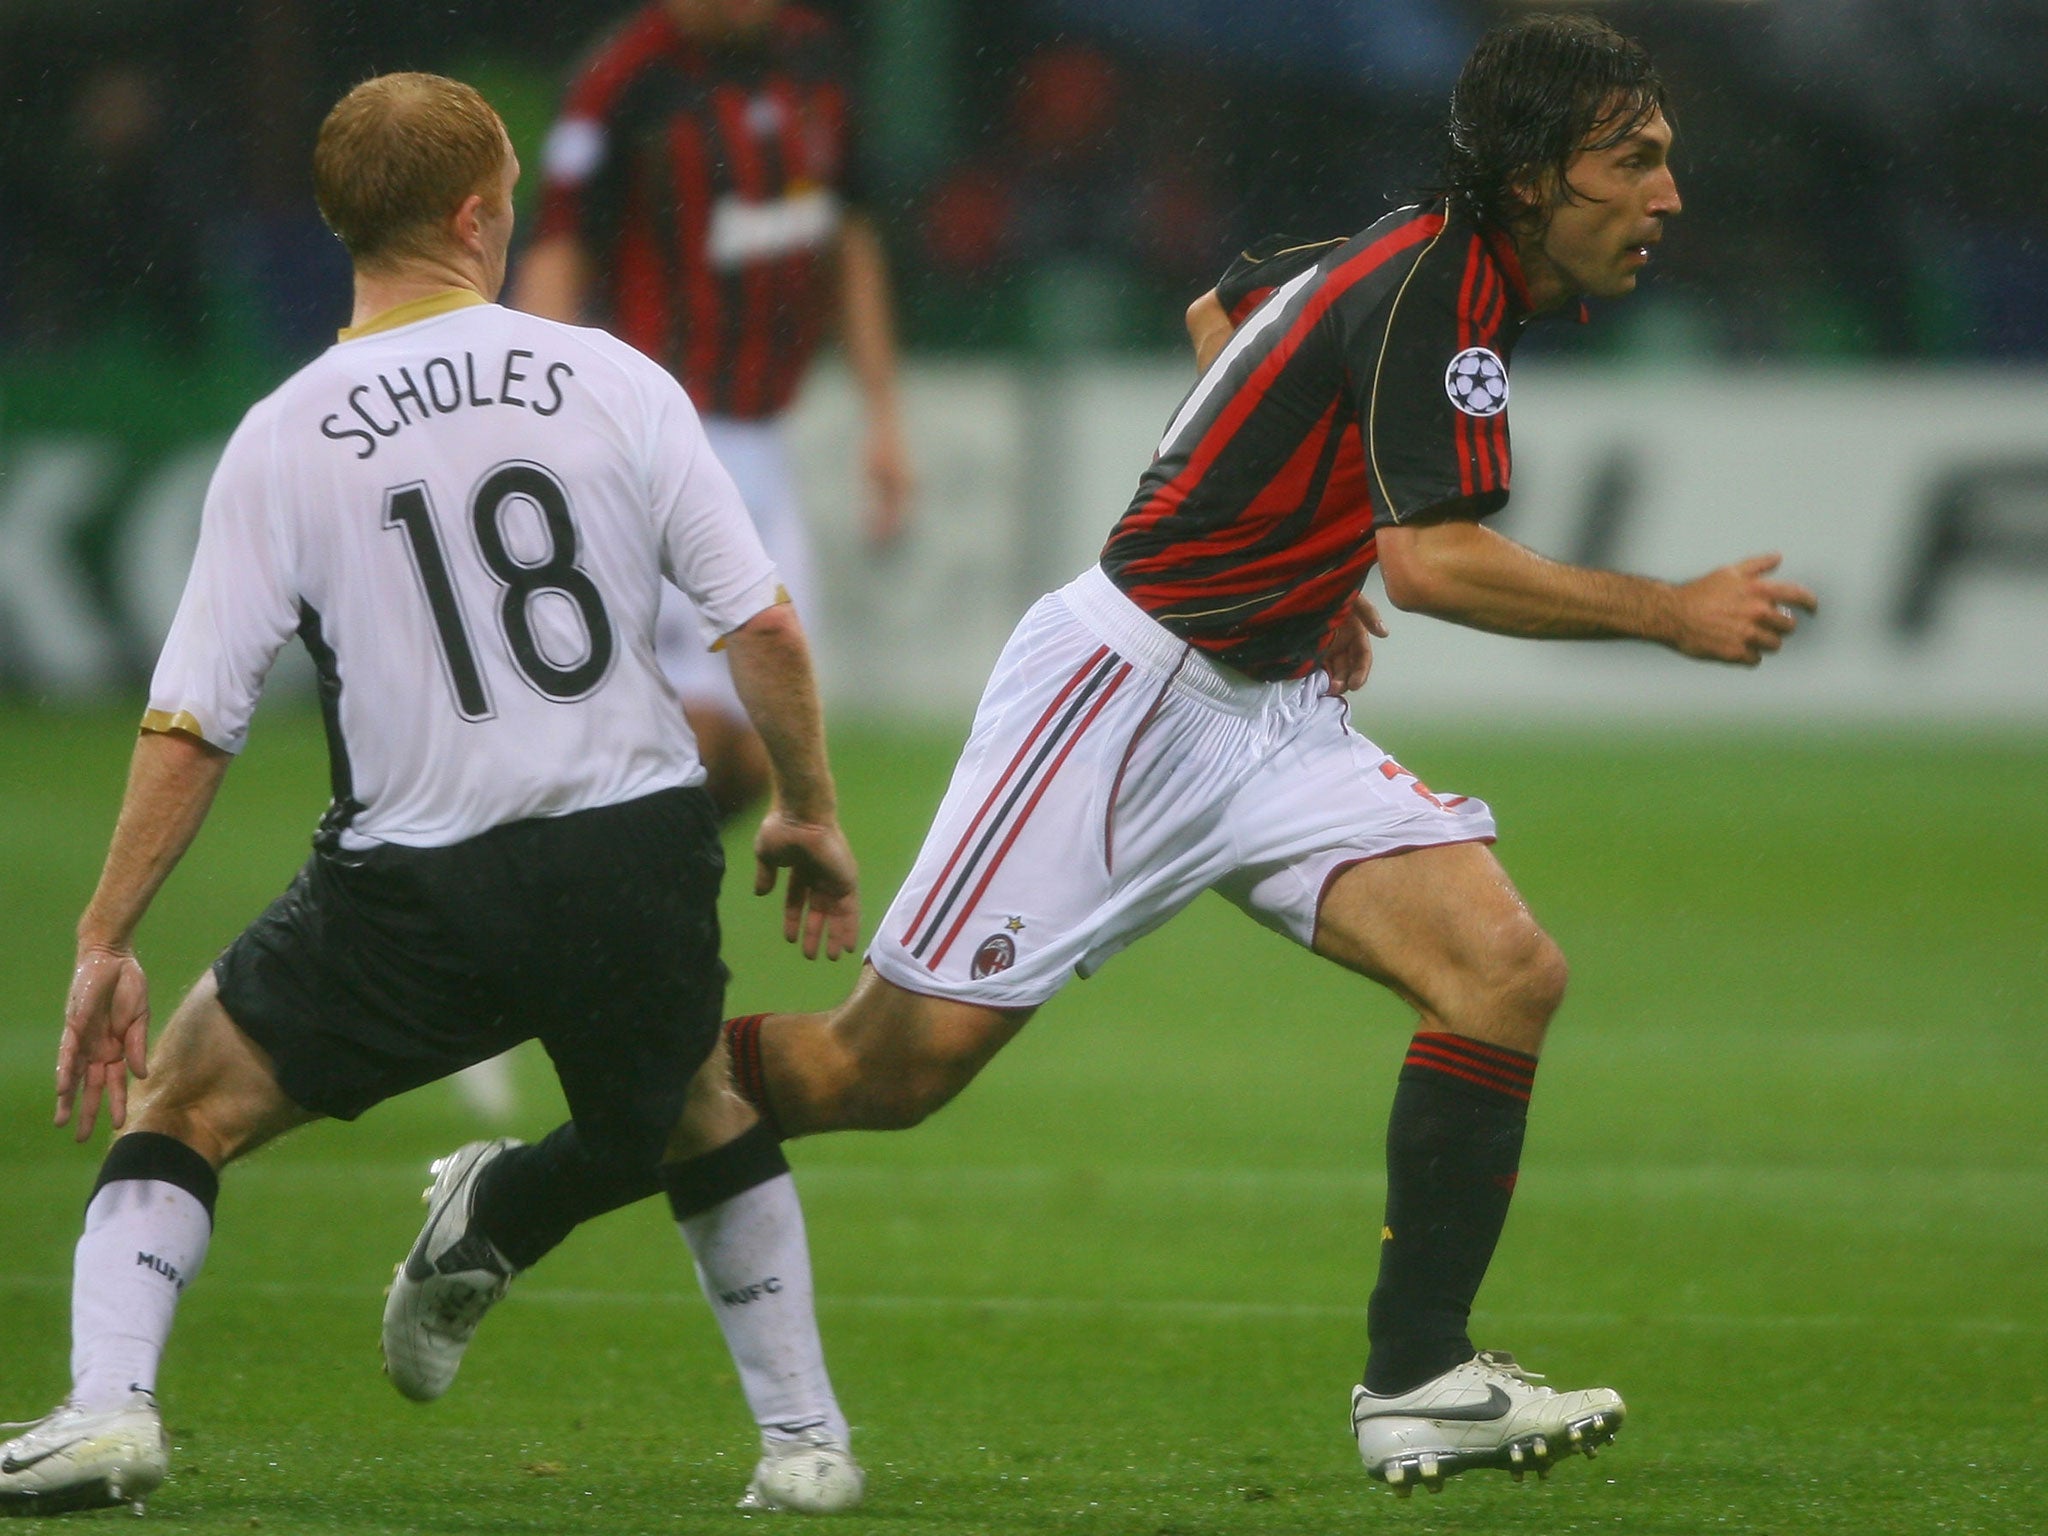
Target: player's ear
x=1535, y=192
x=467, y=223
x=1533, y=199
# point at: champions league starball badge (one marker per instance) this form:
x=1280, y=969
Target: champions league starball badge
x=1477, y=382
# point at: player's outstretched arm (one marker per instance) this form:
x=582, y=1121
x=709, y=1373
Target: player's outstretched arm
x=172, y=780
x=1467, y=573
x=771, y=671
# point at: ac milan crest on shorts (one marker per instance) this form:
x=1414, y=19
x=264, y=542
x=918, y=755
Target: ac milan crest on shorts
x=997, y=952
x=1114, y=773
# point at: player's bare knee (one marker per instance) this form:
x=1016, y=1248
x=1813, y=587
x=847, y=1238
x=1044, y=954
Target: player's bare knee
x=220, y=1109
x=208, y=1128
x=1531, y=977
x=1509, y=985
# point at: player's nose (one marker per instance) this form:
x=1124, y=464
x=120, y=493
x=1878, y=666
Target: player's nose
x=1664, y=198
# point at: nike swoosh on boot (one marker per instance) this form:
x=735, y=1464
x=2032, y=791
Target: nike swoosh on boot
x=1497, y=1403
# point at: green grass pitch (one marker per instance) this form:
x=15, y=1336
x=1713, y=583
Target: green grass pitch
x=1786, y=1187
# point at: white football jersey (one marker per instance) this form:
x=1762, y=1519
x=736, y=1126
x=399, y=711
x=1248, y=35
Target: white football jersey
x=465, y=512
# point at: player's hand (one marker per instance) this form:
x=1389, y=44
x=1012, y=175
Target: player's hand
x=822, y=900
x=1348, y=660
x=106, y=1037
x=892, y=483
x=1738, y=614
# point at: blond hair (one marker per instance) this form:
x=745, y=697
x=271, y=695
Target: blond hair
x=397, y=156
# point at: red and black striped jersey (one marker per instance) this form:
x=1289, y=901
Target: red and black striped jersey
x=1366, y=384
x=706, y=184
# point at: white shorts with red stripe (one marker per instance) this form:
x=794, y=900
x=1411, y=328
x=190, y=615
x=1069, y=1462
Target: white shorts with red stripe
x=1114, y=774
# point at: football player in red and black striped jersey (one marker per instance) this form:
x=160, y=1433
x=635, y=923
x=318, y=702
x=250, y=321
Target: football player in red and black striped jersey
x=702, y=200
x=1173, y=721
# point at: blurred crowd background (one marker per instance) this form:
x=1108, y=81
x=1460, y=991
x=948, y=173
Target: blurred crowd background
x=1864, y=178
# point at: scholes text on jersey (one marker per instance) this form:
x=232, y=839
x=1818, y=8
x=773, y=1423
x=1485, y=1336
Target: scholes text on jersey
x=443, y=387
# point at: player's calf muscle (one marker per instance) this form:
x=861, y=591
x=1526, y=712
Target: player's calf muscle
x=885, y=1061
x=823, y=1079
x=809, y=1074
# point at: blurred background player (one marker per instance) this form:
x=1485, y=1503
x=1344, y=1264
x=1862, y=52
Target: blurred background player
x=466, y=514
x=1171, y=721
x=701, y=200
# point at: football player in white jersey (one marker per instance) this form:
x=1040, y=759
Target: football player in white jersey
x=466, y=514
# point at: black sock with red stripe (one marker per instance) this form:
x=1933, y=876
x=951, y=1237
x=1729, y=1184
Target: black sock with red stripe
x=1454, y=1145
x=743, y=1041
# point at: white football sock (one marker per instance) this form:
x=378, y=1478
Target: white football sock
x=143, y=1242
x=755, y=1266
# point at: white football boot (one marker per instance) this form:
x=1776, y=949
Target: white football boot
x=813, y=1474
x=79, y=1460
x=1488, y=1412
x=452, y=1277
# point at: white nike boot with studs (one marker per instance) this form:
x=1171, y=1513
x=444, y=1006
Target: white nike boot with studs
x=1488, y=1412
x=452, y=1277
x=79, y=1460
x=814, y=1474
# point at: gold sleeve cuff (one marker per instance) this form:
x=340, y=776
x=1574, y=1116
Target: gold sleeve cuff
x=781, y=596
x=163, y=720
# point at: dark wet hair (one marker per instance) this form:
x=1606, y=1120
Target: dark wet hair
x=1534, y=93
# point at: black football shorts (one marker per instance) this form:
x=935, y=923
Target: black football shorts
x=596, y=932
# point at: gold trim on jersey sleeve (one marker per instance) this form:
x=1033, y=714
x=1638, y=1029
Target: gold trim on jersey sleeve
x=163, y=720
x=1289, y=250
x=441, y=302
x=1372, y=416
x=781, y=596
